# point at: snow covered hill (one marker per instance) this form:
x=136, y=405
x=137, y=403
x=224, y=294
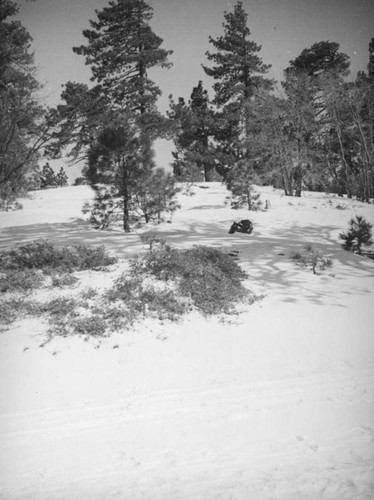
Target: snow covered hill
x=274, y=404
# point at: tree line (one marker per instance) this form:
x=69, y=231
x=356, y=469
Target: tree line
x=312, y=131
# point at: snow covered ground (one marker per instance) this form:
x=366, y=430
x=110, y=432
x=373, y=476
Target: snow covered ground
x=275, y=404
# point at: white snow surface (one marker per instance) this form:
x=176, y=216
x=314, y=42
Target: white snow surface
x=276, y=403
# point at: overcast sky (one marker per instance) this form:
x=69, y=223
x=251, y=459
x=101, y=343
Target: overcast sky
x=282, y=27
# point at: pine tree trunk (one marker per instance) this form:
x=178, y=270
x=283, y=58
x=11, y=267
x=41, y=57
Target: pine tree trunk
x=126, y=216
x=207, y=173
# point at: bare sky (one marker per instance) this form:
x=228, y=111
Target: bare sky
x=282, y=27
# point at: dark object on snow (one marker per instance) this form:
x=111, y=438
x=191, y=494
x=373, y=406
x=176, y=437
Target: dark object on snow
x=244, y=226
x=234, y=254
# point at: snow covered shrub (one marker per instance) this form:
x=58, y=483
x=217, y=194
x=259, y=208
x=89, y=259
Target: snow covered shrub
x=89, y=326
x=89, y=293
x=142, y=299
x=62, y=280
x=311, y=258
x=206, y=276
x=359, y=234
x=85, y=257
x=12, y=280
x=11, y=310
x=59, y=307
x=41, y=254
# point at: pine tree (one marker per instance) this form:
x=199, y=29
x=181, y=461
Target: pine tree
x=321, y=57
x=358, y=234
x=61, y=178
x=48, y=178
x=21, y=117
x=238, y=71
x=113, y=123
x=121, y=48
x=240, y=183
x=195, y=130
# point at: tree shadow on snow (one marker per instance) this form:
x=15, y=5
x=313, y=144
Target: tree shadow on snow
x=265, y=254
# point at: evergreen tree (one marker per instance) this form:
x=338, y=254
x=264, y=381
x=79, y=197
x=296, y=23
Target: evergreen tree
x=61, y=178
x=114, y=123
x=321, y=57
x=240, y=183
x=238, y=71
x=194, y=155
x=358, y=234
x=121, y=48
x=48, y=177
x=22, y=130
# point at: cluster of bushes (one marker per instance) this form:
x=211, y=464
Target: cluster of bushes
x=164, y=284
x=206, y=276
x=26, y=267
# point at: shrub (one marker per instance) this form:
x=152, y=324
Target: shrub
x=79, y=181
x=11, y=310
x=207, y=276
x=89, y=293
x=41, y=254
x=84, y=257
x=60, y=306
x=12, y=280
x=152, y=239
x=144, y=299
x=311, y=258
x=359, y=234
x=163, y=284
x=92, y=326
x=62, y=280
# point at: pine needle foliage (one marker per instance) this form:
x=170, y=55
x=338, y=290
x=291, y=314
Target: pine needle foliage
x=358, y=234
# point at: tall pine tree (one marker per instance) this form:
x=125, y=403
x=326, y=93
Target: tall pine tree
x=117, y=118
x=238, y=71
x=22, y=131
x=121, y=48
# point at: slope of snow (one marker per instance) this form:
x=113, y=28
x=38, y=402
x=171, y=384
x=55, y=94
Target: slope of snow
x=276, y=403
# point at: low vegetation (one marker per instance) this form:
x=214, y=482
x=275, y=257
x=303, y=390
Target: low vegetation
x=310, y=258
x=206, y=276
x=45, y=256
x=31, y=266
x=164, y=284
